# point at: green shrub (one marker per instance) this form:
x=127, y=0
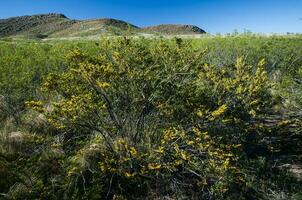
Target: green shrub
x=135, y=90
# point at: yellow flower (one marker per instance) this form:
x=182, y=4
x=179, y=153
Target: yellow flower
x=200, y=113
x=154, y=166
x=55, y=145
x=239, y=62
x=169, y=135
x=103, y=84
x=129, y=175
x=283, y=123
x=160, y=150
x=133, y=151
x=262, y=62
x=103, y=167
x=177, y=162
x=183, y=155
x=219, y=111
x=253, y=113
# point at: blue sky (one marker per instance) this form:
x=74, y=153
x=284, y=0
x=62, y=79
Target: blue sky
x=215, y=16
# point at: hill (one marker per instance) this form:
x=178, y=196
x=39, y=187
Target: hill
x=55, y=25
x=95, y=27
x=175, y=29
x=45, y=24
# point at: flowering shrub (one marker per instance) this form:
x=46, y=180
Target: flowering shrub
x=149, y=112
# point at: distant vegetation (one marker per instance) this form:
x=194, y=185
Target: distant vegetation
x=122, y=118
x=58, y=25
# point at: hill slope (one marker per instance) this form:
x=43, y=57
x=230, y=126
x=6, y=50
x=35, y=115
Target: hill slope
x=175, y=29
x=34, y=24
x=94, y=27
x=58, y=25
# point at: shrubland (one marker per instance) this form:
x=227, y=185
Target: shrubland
x=122, y=118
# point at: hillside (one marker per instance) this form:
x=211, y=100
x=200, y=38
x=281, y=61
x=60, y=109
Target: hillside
x=175, y=29
x=94, y=27
x=34, y=25
x=58, y=25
